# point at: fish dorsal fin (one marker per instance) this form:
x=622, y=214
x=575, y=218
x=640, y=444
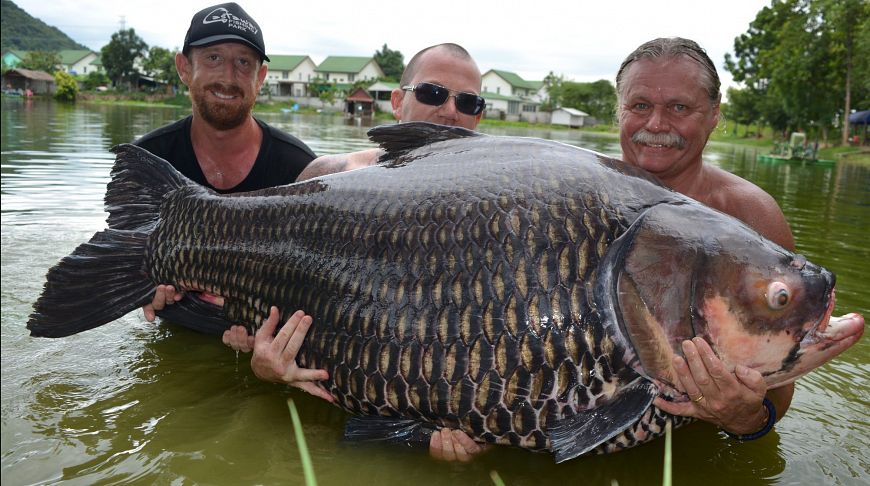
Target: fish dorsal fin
x=580, y=433
x=399, y=139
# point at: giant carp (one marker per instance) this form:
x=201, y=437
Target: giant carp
x=525, y=291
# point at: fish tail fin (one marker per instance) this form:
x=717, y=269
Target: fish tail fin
x=106, y=277
x=99, y=282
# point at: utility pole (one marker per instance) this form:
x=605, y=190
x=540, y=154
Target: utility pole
x=123, y=22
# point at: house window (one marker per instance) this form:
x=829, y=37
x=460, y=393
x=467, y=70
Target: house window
x=350, y=78
x=285, y=75
x=529, y=108
x=497, y=89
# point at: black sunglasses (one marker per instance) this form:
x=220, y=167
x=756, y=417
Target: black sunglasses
x=435, y=95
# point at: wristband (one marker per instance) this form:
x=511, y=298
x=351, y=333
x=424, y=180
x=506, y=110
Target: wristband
x=771, y=419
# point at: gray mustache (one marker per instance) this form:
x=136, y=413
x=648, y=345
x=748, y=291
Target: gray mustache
x=667, y=139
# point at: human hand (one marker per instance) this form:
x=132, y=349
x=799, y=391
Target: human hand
x=274, y=358
x=731, y=401
x=237, y=337
x=164, y=295
x=454, y=445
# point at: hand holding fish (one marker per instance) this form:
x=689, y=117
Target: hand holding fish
x=455, y=445
x=274, y=358
x=164, y=295
x=237, y=337
x=731, y=401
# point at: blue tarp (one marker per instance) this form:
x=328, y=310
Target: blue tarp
x=860, y=118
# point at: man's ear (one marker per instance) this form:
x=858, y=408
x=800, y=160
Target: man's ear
x=716, y=114
x=396, y=98
x=261, y=75
x=184, y=67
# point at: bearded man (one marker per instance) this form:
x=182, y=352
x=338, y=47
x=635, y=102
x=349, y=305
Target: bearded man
x=221, y=145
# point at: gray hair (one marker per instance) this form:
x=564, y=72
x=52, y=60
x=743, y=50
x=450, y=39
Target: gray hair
x=671, y=47
x=413, y=65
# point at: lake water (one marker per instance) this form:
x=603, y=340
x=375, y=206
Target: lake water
x=139, y=403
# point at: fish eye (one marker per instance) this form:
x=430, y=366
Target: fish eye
x=778, y=295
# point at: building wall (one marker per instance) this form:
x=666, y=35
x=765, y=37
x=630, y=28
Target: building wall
x=304, y=72
x=562, y=117
x=370, y=71
x=83, y=66
x=493, y=83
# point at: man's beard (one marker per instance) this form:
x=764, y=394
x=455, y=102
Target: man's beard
x=222, y=116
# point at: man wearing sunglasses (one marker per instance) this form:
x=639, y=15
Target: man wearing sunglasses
x=441, y=84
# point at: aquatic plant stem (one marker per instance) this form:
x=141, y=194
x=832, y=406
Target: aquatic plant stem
x=666, y=477
x=307, y=467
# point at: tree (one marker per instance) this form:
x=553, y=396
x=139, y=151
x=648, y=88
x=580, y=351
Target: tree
x=95, y=79
x=846, y=19
x=120, y=54
x=553, y=87
x=800, y=58
x=743, y=107
x=391, y=62
x=598, y=98
x=41, y=61
x=160, y=65
x=66, y=88
x=322, y=89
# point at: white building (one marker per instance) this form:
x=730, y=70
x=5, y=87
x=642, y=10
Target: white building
x=510, y=97
x=289, y=76
x=570, y=117
x=349, y=69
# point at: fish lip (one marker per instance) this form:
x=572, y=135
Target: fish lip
x=816, y=333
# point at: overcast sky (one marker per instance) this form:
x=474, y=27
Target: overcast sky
x=582, y=40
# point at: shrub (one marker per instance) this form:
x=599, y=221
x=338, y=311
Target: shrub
x=66, y=88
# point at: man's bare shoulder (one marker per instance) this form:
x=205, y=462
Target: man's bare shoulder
x=334, y=163
x=749, y=203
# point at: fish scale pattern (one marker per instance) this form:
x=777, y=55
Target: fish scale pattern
x=452, y=292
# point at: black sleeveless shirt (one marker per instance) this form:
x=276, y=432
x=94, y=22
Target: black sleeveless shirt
x=281, y=159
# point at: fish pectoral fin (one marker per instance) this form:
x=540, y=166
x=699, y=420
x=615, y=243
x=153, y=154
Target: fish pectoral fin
x=579, y=434
x=196, y=314
x=388, y=429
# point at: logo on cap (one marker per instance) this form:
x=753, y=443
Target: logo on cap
x=223, y=16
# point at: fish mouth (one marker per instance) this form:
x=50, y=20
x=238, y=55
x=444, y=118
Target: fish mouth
x=832, y=335
x=817, y=332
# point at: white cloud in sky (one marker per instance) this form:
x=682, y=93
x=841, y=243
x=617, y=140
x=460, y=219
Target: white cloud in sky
x=582, y=40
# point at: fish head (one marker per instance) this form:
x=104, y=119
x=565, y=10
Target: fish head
x=687, y=270
x=766, y=308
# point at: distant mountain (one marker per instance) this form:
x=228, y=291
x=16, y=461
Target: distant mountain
x=19, y=30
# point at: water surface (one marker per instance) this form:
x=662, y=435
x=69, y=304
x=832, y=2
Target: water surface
x=139, y=403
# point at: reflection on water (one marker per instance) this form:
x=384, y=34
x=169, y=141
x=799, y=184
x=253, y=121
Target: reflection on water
x=134, y=402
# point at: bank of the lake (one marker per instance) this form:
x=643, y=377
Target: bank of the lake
x=725, y=133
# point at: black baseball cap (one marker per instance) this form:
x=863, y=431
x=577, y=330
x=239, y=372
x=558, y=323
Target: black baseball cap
x=227, y=22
